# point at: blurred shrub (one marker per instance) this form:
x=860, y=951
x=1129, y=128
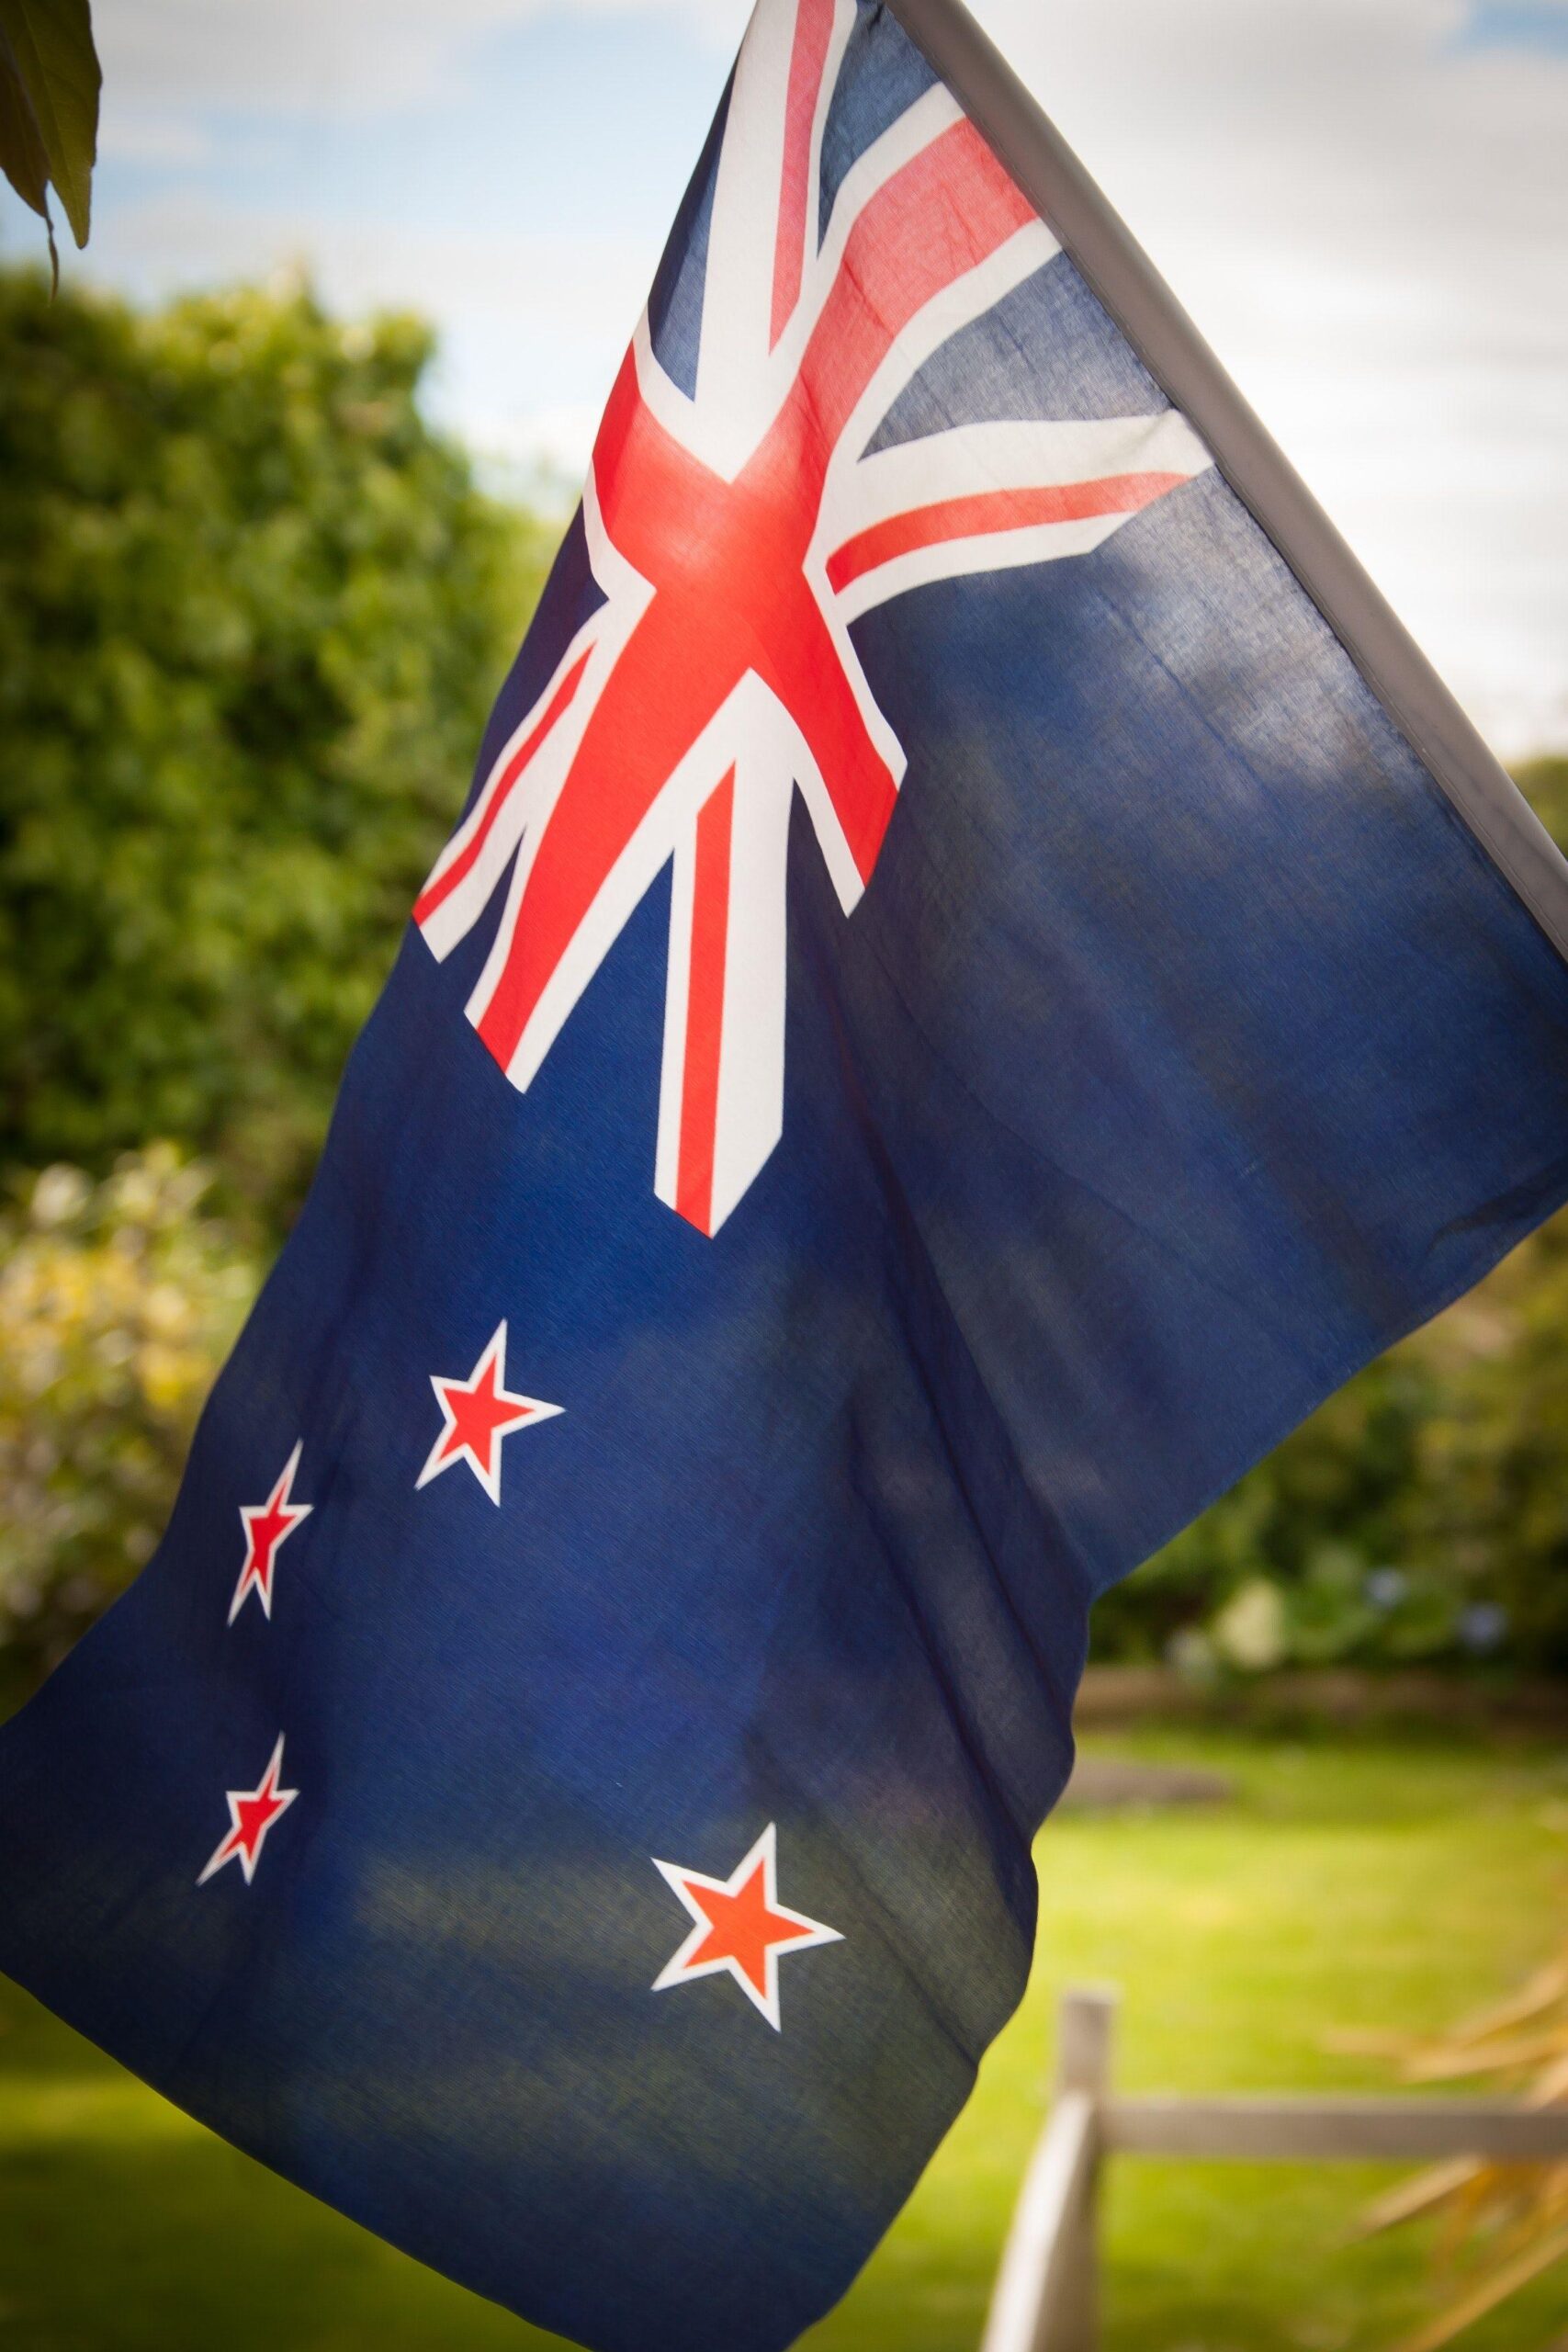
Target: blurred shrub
x=253, y=612
x=117, y=1302
x=1420, y=1516
x=1307, y=1560
x=1491, y=1500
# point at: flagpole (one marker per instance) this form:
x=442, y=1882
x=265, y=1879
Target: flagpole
x=1129, y=287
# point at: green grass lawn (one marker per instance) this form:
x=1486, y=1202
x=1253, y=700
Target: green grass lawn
x=1349, y=1884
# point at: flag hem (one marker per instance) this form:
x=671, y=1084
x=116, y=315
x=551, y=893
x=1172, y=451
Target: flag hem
x=1125, y=281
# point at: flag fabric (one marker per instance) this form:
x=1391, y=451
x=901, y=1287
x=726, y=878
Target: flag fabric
x=960, y=1006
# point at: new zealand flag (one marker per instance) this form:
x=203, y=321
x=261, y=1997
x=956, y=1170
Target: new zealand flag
x=979, y=979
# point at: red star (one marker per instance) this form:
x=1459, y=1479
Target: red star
x=741, y=1926
x=479, y=1412
x=252, y=1812
x=268, y=1528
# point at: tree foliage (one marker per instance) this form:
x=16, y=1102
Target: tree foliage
x=254, y=610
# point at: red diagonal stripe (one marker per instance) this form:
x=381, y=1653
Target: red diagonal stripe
x=442, y=885
x=808, y=58
x=986, y=511
x=705, y=1008
x=945, y=211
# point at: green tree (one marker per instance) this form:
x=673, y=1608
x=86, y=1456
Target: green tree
x=254, y=611
x=1319, y=1529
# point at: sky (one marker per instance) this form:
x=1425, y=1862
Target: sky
x=1363, y=204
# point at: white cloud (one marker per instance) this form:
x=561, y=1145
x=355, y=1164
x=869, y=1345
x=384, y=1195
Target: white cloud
x=528, y=317
x=567, y=287
x=322, y=58
x=153, y=134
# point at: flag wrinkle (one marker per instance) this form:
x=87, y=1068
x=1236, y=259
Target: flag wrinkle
x=1246, y=1304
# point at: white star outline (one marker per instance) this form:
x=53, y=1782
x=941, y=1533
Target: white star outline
x=282, y=1496
x=225, y=1851
x=685, y=1969
x=526, y=1410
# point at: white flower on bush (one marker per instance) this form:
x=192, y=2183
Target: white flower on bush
x=1251, y=1632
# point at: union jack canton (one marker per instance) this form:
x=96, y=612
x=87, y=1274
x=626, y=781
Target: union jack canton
x=736, y=526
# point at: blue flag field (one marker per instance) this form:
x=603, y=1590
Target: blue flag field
x=980, y=977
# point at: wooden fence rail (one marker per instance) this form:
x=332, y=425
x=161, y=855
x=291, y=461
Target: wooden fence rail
x=1046, y=2295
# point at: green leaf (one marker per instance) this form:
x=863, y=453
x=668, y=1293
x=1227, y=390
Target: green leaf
x=21, y=149
x=56, y=67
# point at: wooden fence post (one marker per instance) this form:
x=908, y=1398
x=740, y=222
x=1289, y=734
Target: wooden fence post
x=1083, y=2070
x=1046, y=2296
x=1046, y=2293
